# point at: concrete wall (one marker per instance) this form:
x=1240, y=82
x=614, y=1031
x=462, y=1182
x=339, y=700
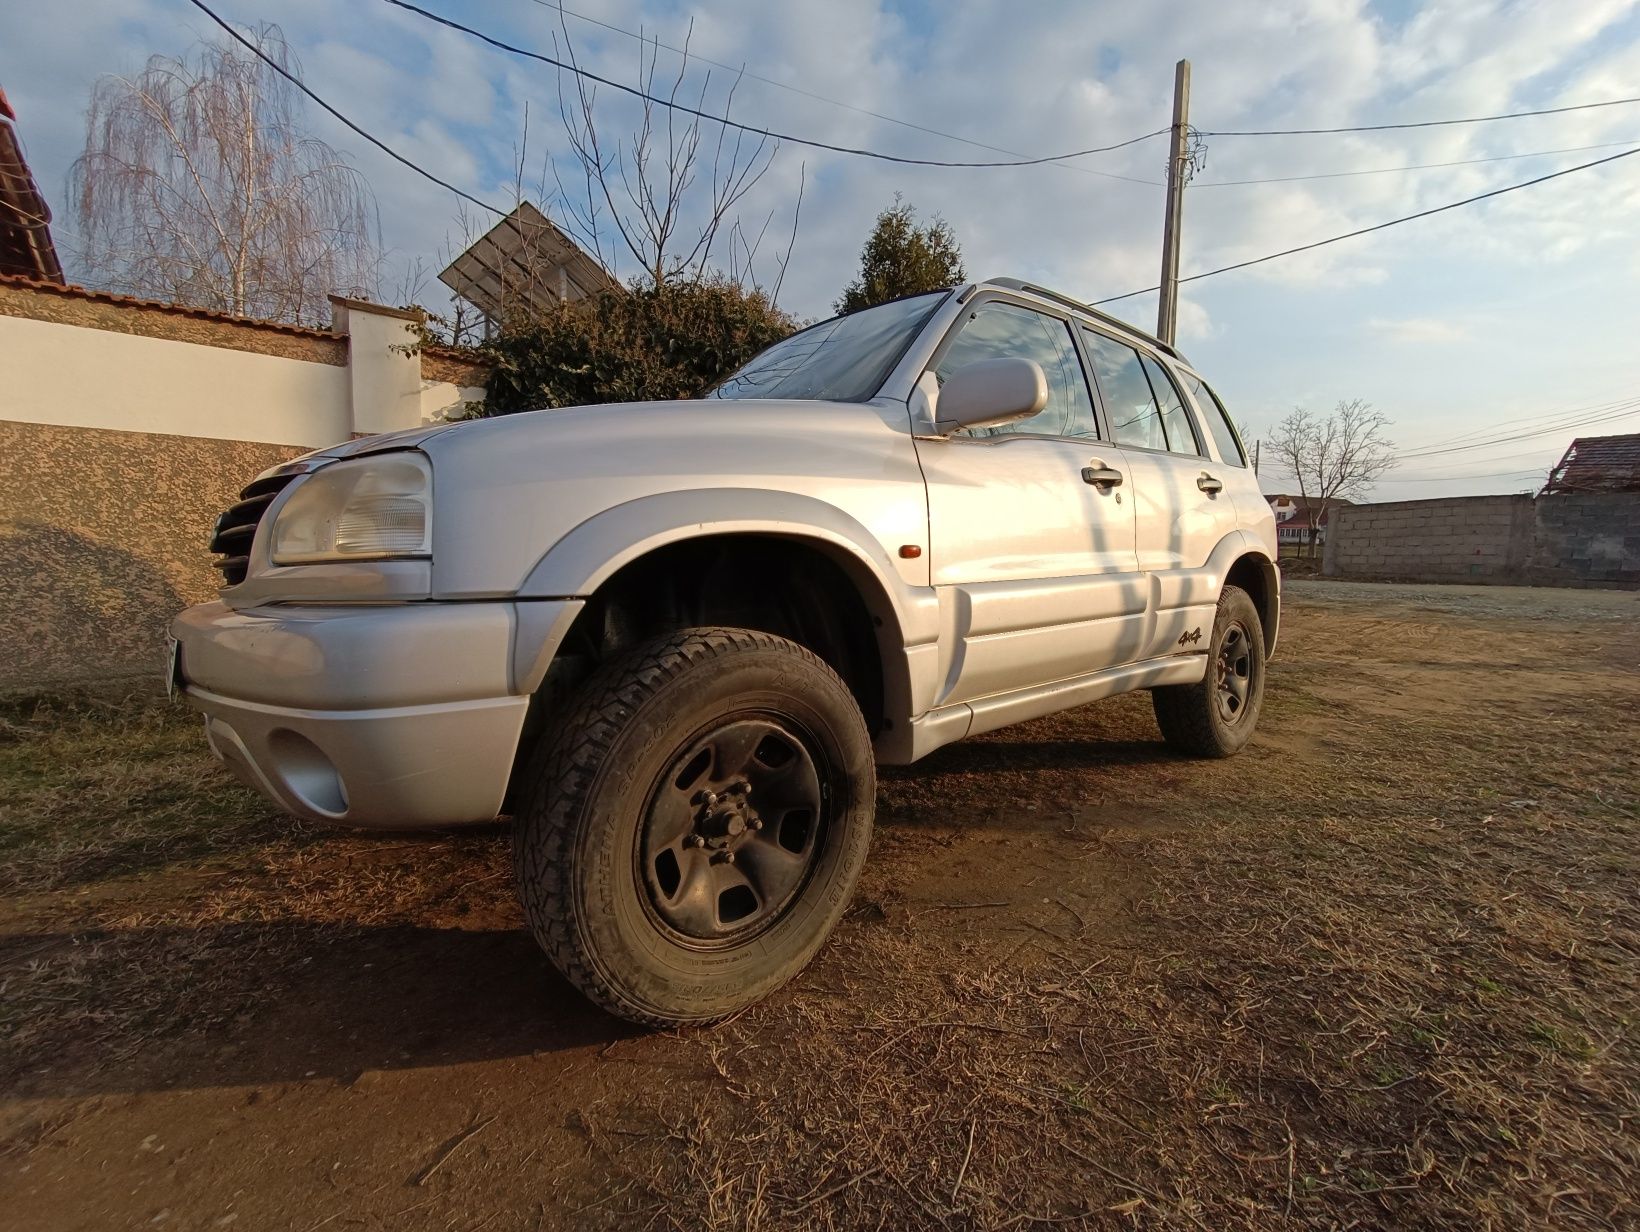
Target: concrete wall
x=127, y=426
x=1579, y=539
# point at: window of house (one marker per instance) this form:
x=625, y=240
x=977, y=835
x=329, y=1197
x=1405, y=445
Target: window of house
x=1135, y=419
x=1000, y=330
x=1218, y=420
x=1181, y=433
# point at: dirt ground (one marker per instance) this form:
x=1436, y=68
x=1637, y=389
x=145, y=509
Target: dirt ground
x=1380, y=971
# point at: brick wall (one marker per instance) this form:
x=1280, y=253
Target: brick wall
x=1581, y=539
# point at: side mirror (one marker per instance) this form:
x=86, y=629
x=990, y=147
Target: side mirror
x=991, y=392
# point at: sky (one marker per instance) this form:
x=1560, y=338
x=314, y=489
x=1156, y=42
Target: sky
x=1496, y=320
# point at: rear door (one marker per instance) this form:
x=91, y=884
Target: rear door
x=1183, y=506
x=1034, y=564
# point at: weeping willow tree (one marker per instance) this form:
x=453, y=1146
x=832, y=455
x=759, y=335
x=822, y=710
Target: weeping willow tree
x=199, y=185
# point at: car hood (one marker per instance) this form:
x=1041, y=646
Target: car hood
x=623, y=417
x=506, y=489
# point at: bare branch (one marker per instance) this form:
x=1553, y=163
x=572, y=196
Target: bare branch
x=197, y=185
x=1334, y=459
x=666, y=193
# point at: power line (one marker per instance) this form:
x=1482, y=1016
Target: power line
x=743, y=71
x=1532, y=470
x=1393, y=222
x=302, y=86
x=1537, y=417
x=1464, y=162
x=1607, y=417
x=1380, y=128
x=1541, y=427
x=750, y=128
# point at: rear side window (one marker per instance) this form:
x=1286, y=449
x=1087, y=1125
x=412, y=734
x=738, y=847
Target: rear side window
x=1181, y=433
x=999, y=331
x=1218, y=420
x=1135, y=419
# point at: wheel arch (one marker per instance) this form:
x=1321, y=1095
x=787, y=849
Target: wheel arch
x=787, y=530
x=1258, y=575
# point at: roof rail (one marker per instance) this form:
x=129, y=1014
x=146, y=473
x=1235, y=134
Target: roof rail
x=1019, y=284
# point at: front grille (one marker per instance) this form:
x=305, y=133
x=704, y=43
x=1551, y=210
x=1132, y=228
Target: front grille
x=236, y=528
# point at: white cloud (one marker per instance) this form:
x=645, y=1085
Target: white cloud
x=1419, y=329
x=1039, y=79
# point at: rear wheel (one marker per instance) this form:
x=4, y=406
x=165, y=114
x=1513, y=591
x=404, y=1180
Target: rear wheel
x=1216, y=717
x=695, y=825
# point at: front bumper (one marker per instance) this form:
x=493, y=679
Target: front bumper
x=391, y=716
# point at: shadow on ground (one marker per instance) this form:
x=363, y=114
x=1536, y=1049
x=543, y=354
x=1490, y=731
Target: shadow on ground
x=251, y=1004
x=986, y=756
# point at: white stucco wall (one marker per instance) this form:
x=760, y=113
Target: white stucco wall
x=84, y=377
x=384, y=377
x=93, y=378
x=442, y=400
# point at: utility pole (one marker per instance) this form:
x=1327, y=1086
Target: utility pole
x=1167, y=315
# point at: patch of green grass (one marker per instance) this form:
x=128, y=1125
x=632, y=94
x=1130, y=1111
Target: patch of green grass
x=1572, y=1045
x=93, y=787
x=1386, y=1073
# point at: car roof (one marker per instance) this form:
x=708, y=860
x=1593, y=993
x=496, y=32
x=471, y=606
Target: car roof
x=1087, y=310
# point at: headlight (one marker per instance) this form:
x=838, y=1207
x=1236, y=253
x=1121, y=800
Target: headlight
x=368, y=508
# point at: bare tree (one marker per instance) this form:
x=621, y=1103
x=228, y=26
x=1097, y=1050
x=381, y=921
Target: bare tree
x=1332, y=459
x=199, y=185
x=667, y=193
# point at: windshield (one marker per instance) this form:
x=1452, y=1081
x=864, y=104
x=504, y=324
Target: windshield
x=845, y=359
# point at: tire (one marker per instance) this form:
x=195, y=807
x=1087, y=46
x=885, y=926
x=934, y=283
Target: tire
x=1216, y=717
x=662, y=852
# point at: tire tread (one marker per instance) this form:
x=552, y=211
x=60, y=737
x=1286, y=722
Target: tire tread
x=562, y=774
x=1184, y=712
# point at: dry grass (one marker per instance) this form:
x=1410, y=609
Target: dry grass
x=151, y=893
x=1400, y=995
x=1383, y=971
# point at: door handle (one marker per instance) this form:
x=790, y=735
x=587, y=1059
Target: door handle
x=1209, y=484
x=1101, y=476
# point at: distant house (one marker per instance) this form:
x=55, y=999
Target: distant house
x=25, y=221
x=1598, y=464
x=1293, y=517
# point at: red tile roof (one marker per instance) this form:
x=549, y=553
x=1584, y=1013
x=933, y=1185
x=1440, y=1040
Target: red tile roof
x=72, y=291
x=25, y=219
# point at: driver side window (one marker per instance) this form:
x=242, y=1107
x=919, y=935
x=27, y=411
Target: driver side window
x=1002, y=331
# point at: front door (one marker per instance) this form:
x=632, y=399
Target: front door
x=1031, y=525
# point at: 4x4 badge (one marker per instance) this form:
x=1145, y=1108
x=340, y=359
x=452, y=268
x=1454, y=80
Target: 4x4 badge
x=1191, y=638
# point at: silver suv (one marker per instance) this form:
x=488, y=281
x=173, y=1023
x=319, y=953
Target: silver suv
x=672, y=639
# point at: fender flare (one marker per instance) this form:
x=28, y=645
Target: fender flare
x=590, y=554
x=1236, y=547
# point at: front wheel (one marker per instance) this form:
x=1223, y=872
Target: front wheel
x=1216, y=717
x=694, y=827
